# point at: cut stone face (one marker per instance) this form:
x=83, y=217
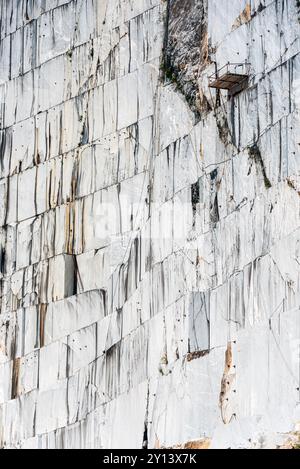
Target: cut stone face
x=199, y=327
x=149, y=224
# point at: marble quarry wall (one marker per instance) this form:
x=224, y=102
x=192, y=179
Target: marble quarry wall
x=149, y=224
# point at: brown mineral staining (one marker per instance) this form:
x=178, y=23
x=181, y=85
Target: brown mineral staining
x=202, y=443
x=292, y=442
x=198, y=444
x=228, y=356
x=15, y=378
x=243, y=18
x=226, y=386
x=195, y=355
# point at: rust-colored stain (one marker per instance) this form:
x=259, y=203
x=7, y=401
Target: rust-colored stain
x=228, y=356
x=243, y=18
x=195, y=355
x=15, y=378
x=226, y=386
x=198, y=444
x=202, y=443
x=157, y=444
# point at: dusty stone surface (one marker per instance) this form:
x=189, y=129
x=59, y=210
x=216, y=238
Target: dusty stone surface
x=149, y=226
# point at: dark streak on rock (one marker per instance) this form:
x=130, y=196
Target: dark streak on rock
x=255, y=155
x=195, y=355
x=195, y=195
x=2, y=260
x=15, y=378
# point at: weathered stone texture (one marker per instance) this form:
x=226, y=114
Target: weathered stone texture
x=149, y=226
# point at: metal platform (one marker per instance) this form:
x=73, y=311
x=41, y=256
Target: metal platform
x=231, y=77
